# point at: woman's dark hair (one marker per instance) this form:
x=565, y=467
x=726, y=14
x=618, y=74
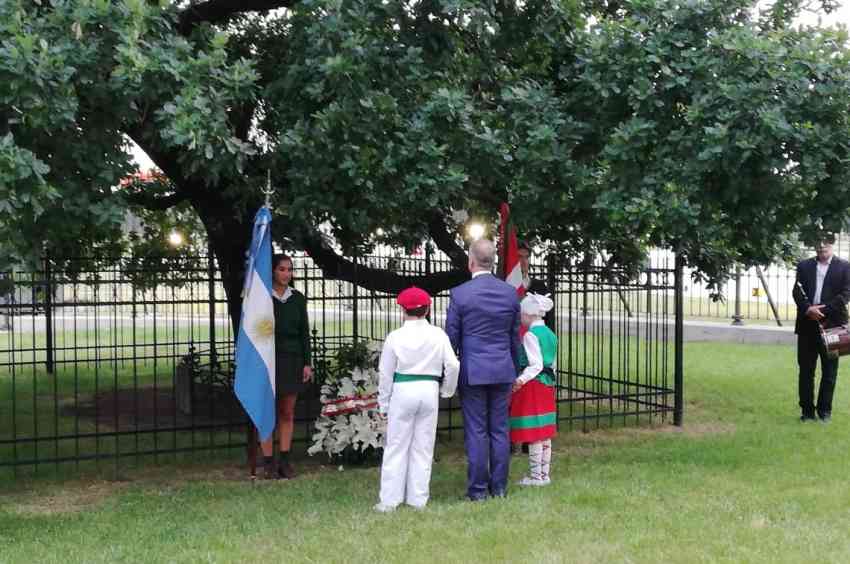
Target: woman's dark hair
x=278, y=258
x=417, y=311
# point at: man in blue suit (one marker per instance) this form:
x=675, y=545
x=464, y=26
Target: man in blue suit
x=483, y=326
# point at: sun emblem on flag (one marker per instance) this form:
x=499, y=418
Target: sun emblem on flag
x=264, y=327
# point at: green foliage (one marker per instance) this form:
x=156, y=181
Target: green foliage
x=75, y=79
x=716, y=128
x=356, y=354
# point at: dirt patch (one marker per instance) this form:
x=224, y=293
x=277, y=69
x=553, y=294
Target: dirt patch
x=72, y=498
x=80, y=495
x=128, y=409
x=146, y=408
x=586, y=444
x=694, y=430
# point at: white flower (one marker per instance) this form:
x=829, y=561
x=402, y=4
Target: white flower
x=358, y=430
x=346, y=388
x=358, y=375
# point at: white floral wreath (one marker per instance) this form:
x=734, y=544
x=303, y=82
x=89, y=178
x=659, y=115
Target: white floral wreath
x=350, y=417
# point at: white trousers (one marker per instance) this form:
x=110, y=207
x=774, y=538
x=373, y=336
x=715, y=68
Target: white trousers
x=409, y=450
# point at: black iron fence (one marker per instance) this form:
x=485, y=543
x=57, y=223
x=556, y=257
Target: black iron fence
x=113, y=366
x=760, y=294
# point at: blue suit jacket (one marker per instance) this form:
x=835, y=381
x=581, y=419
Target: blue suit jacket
x=482, y=323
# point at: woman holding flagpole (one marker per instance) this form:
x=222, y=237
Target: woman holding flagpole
x=292, y=362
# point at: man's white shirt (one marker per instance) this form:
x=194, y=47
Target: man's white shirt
x=417, y=348
x=821, y=276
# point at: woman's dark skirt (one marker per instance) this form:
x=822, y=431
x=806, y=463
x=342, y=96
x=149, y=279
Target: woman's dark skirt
x=289, y=377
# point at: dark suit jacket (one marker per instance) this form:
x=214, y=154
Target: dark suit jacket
x=482, y=323
x=834, y=295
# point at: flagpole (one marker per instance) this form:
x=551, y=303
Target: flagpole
x=253, y=433
x=502, y=246
x=268, y=190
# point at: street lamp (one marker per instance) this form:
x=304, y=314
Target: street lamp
x=475, y=231
x=175, y=238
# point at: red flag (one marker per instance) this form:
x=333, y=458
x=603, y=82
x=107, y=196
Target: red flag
x=509, y=257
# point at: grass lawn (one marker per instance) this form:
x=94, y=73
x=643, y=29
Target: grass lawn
x=743, y=481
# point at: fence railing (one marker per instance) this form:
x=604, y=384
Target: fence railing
x=759, y=294
x=99, y=367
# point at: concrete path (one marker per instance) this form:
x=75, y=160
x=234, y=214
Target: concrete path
x=747, y=333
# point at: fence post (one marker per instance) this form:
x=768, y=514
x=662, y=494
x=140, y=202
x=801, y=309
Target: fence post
x=211, y=303
x=354, y=298
x=737, y=319
x=678, y=377
x=552, y=286
x=48, y=312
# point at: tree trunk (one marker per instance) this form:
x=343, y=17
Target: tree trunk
x=230, y=238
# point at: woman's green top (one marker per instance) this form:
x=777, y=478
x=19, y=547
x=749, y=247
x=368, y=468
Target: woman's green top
x=292, y=327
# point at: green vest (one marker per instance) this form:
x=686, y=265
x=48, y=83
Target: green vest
x=548, y=349
x=548, y=344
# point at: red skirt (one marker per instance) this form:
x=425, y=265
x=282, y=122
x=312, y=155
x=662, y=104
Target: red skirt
x=533, y=414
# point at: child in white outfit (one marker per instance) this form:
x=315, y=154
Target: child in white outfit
x=417, y=366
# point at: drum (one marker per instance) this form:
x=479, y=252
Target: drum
x=836, y=340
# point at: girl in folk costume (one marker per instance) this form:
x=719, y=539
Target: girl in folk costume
x=533, y=412
x=415, y=359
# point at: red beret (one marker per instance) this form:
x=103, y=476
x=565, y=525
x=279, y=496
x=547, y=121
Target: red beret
x=413, y=297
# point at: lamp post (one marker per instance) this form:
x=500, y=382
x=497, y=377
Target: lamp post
x=737, y=319
x=475, y=231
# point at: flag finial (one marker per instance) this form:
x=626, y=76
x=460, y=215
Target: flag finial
x=268, y=191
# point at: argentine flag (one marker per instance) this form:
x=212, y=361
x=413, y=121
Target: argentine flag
x=255, y=369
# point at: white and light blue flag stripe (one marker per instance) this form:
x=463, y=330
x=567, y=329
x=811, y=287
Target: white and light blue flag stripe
x=255, y=366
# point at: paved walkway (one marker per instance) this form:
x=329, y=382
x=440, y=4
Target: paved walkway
x=747, y=333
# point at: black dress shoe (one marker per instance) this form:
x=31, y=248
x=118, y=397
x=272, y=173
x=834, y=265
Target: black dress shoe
x=270, y=472
x=826, y=418
x=481, y=497
x=285, y=471
x=807, y=418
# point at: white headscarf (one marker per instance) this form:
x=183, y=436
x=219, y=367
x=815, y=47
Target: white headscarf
x=536, y=304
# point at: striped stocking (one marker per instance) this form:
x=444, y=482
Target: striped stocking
x=535, y=460
x=545, y=458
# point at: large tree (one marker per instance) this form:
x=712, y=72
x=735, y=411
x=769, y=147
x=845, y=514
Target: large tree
x=709, y=127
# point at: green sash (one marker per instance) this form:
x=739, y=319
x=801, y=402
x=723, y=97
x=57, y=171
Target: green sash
x=415, y=377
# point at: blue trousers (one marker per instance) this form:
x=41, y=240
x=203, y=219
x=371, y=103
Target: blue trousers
x=487, y=438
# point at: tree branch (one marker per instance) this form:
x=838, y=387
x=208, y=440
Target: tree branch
x=220, y=11
x=340, y=268
x=442, y=237
x=155, y=203
x=165, y=160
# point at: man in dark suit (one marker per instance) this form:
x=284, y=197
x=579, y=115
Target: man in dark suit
x=821, y=293
x=483, y=326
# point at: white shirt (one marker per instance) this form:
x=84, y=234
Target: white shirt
x=284, y=296
x=480, y=272
x=822, y=268
x=419, y=348
x=534, y=354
